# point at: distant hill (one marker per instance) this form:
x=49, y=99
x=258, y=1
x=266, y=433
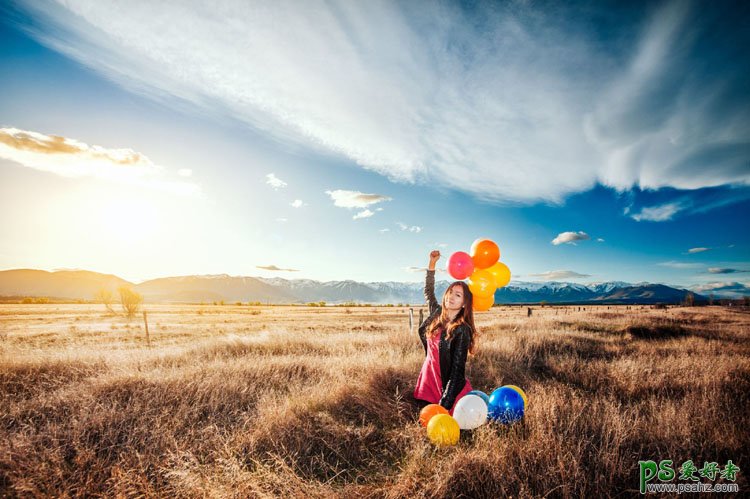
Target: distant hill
x=212, y=288
x=65, y=284
x=81, y=284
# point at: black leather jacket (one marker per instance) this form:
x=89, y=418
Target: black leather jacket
x=452, y=353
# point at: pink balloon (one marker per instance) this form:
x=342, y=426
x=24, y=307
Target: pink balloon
x=460, y=265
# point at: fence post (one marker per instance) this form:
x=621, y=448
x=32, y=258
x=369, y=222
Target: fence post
x=411, y=321
x=145, y=321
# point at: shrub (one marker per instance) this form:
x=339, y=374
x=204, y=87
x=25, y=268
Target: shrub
x=130, y=300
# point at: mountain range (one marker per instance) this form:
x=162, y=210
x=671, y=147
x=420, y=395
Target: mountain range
x=83, y=285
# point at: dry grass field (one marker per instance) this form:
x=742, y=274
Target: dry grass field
x=238, y=401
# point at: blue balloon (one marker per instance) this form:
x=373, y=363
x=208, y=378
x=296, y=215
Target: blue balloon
x=506, y=405
x=482, y=395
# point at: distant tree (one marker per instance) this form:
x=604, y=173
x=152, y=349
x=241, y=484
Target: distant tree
x=106, y=297
x=711, y=299
x=746, y=301
x=130, y=300
x=689, y=299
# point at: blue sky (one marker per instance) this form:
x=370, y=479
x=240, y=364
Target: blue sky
x=591, y=141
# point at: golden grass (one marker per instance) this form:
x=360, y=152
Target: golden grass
x=238, y=401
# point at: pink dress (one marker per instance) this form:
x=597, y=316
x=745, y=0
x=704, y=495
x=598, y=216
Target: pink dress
x=430, y=384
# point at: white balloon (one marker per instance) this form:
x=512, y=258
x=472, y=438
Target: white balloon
x=470, y=412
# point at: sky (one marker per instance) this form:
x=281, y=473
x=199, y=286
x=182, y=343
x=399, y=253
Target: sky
x=592, y=141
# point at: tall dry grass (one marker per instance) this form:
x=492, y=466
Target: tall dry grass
x=288, y=401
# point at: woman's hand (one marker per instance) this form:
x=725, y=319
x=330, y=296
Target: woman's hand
x=434, y=257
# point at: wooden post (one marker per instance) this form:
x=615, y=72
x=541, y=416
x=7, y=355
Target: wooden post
x=421, y=313
x=145, y=321
x=411, y=321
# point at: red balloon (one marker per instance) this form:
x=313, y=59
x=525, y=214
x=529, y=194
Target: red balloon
x=484, y=253
x=460, y=266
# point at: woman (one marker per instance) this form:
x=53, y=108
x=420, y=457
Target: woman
x=448, y=335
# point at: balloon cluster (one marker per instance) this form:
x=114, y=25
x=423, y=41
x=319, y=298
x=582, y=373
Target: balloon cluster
x=484, y=270
x=506, y=405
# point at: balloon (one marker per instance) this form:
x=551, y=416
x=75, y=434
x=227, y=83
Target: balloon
x=482, y=283
x=484, y=253
x=460, y=266
x=481, y=395
x=443, y=430
x=470, y=412
x=426, y=414
x=483, y=303
x=523, y=394
x=501, y=273
x=506, y=405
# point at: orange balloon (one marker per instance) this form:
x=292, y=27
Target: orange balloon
x=483, y=303
x=501, y=273
x=482, y=283
x=484, y=253
x=429, y=411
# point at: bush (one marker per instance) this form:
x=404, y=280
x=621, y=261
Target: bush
x=130, y=300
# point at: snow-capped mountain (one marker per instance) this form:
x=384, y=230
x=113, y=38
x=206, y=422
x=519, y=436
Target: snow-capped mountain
x=277, y=290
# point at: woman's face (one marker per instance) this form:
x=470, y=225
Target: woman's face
x=454, y=298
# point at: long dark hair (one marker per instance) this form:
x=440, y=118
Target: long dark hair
x=465, y=317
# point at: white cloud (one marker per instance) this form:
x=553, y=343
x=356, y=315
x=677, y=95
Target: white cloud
x=185, y=172
x=355, y=199
x=698, y=250
x=500, y=109
x=69, y=157
x=275, y=182
x=659, y=213
x=282, y=220
x=274, y=268
x=412, y=228
x=363, y=214
x=599, y=240
x=554, y=275
x=570, y=237
x=383, y=231
x=297, y=203
x=680, y=265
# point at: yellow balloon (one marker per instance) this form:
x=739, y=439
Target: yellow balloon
x=501, y=273
x=443, y=430
x=483, y=303
x=522, y=393
x=482, y=283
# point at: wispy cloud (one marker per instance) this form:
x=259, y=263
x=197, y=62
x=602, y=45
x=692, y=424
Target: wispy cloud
x=570, y=237
x=363, y=214
x=697, y=250
x=724, y=270
x=554, y=275
x=275, y=268
x=355, y=199
x=680, y=265
x=659, y=213
x=297, y=203
x=69, y=157
x=275, y=182
x=495, y=101
x=409, y=228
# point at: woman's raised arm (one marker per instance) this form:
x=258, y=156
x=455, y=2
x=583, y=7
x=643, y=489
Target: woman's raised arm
x=429, y=282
